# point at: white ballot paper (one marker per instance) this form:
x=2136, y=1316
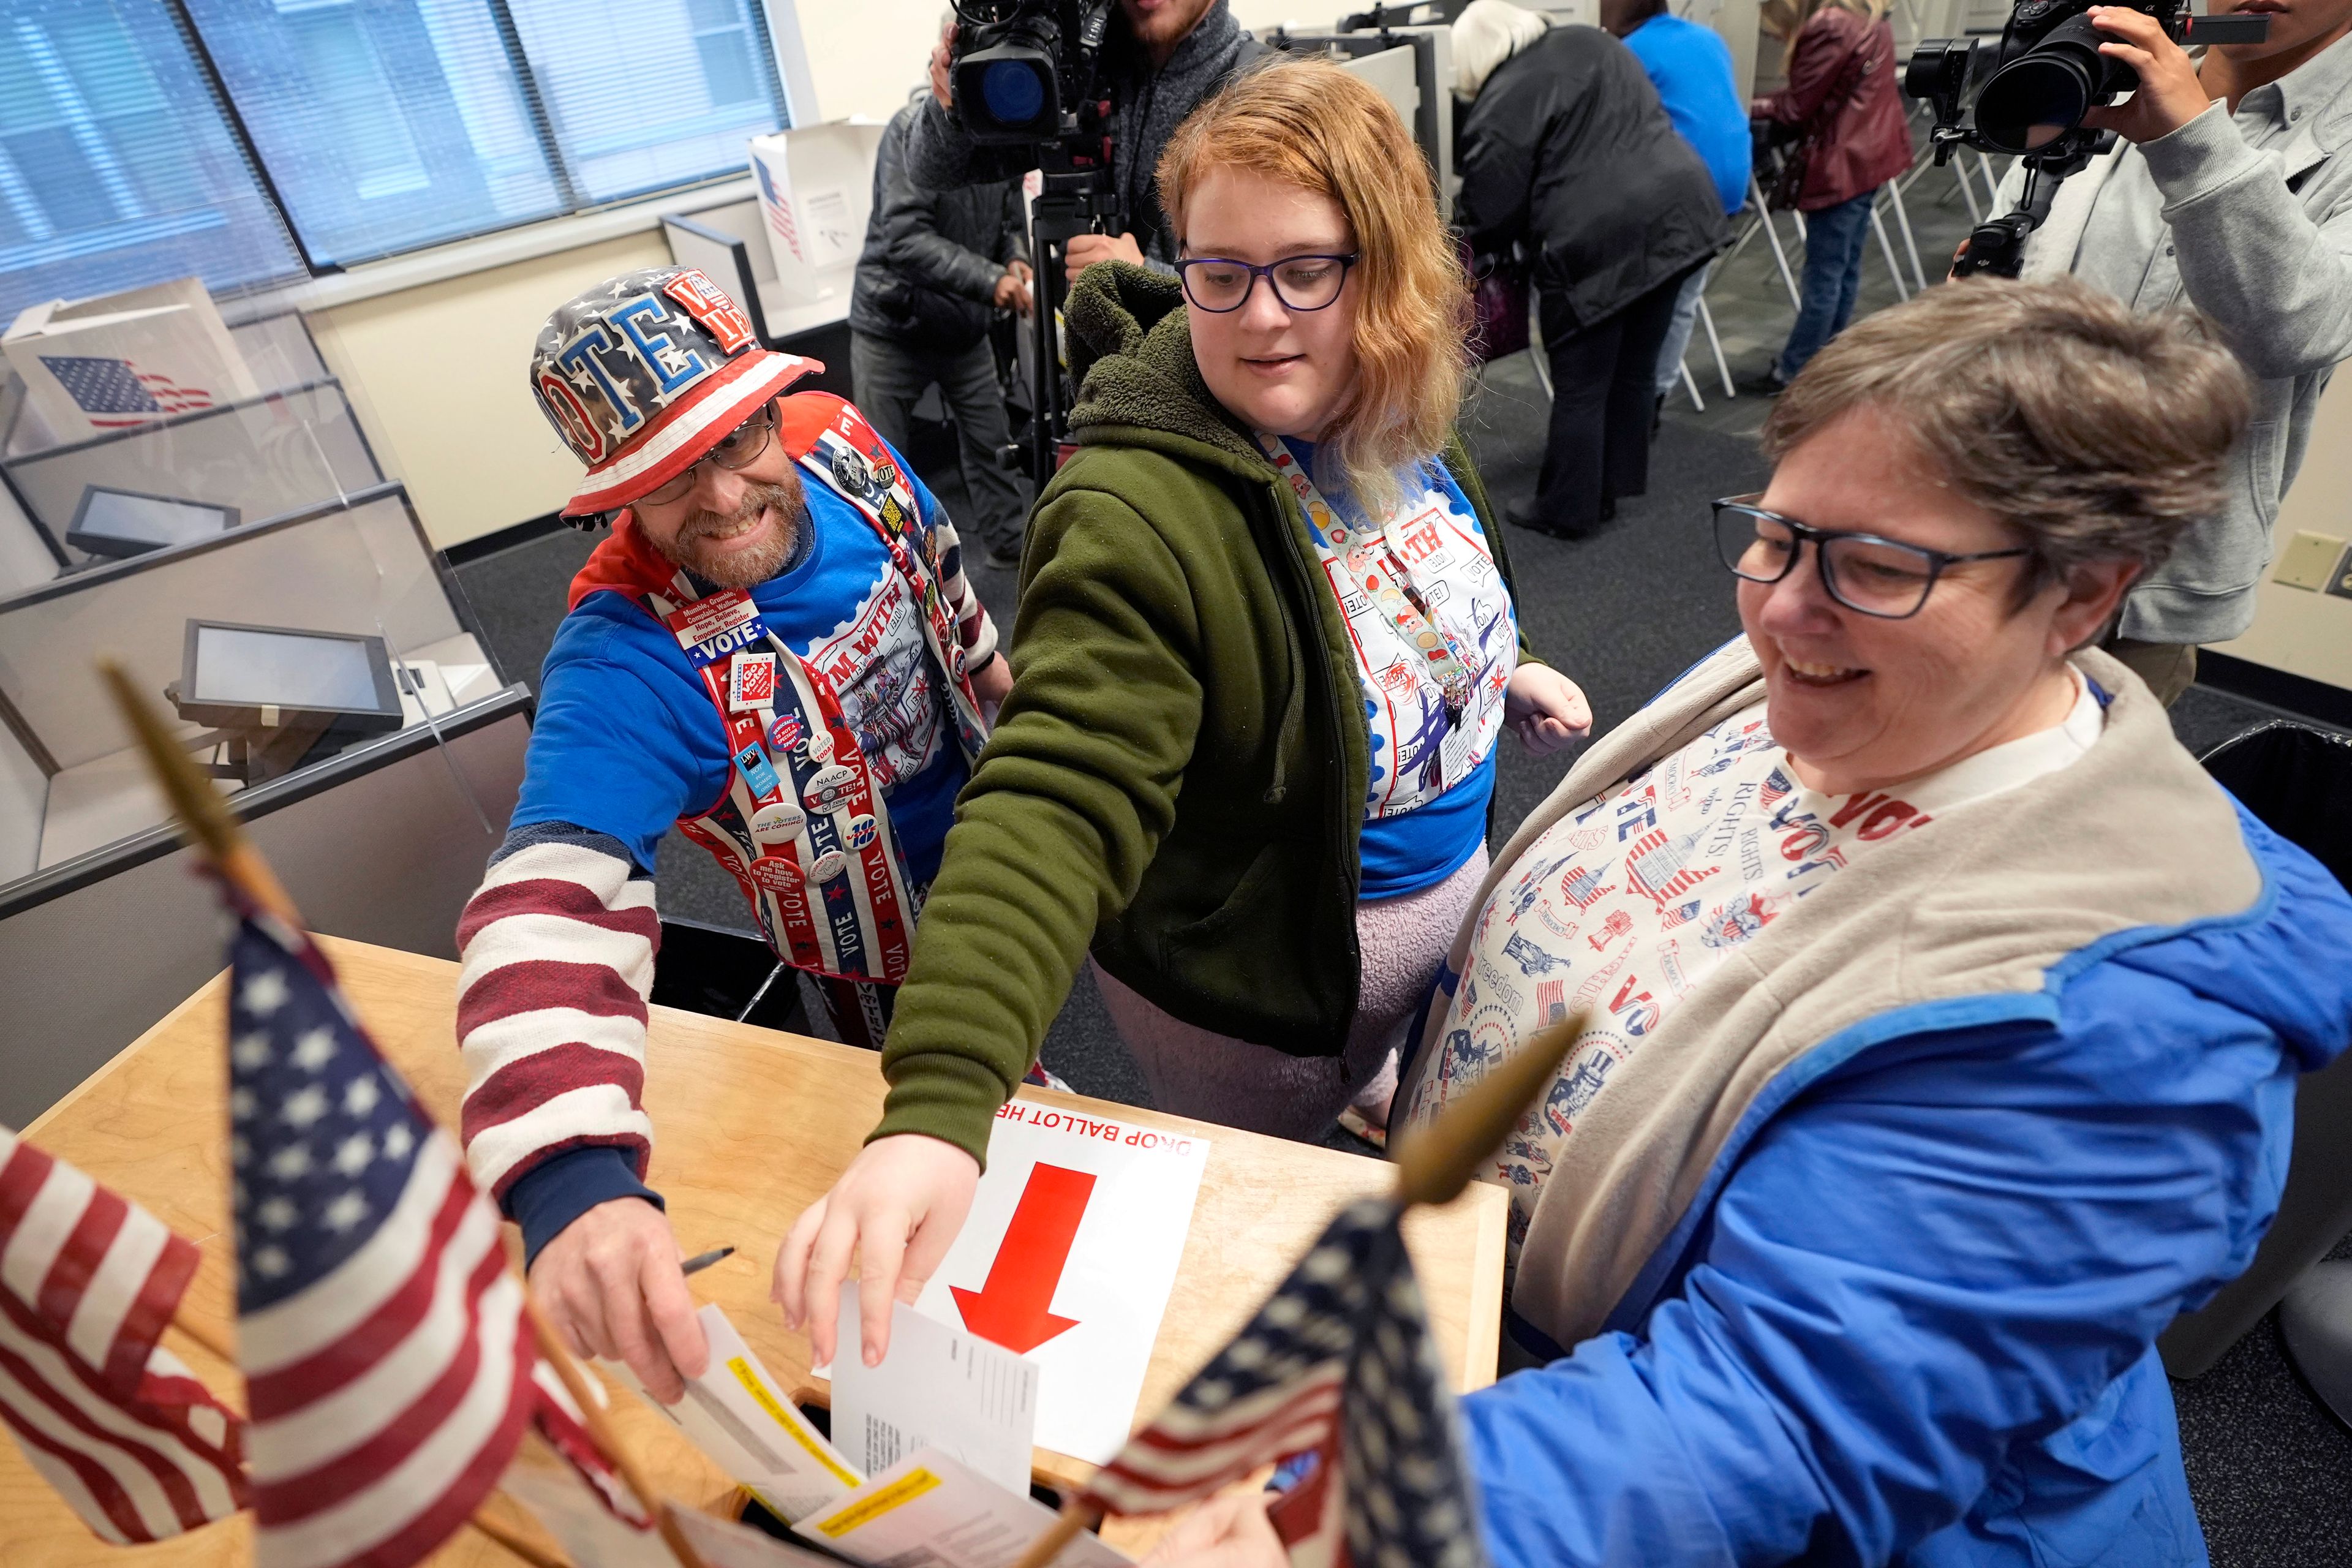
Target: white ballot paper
x=928, y=1511
x=736, y=1414
x=939, y=1388
x=593, y=1538
x=1068, y=1257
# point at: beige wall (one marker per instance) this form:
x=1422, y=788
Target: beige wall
x=438, y=374
x=2295, y=630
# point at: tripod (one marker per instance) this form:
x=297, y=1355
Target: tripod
x=1074, y=202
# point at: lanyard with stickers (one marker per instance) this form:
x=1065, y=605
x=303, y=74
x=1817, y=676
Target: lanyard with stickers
x=1368, y=556
x=801, y=810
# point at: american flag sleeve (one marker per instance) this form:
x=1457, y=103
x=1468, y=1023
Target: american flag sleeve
x=974, y=630
x=557, y=954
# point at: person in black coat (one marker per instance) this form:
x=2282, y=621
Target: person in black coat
x=1567, y=147
x=935, y=270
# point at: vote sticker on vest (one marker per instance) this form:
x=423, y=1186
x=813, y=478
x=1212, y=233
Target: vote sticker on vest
x=750, y=681
x=778, y=873
x=828, y=865
x=711, y=629
x=863, y=831
x=784, y=735
x=753, y=764
x=820, y=746
x=781, y=820
x=830, y=789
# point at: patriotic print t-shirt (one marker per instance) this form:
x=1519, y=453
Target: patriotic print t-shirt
x=1627, y=902
x=1432, y=775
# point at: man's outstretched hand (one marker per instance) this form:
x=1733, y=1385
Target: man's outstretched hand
x=612, y=1284
x=897, y=1209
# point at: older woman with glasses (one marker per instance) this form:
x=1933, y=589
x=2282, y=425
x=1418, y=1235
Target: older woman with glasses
x=1265, y=650
x=1937, y=1017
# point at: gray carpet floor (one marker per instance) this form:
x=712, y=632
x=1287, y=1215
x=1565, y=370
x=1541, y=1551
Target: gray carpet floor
x=1621, y=613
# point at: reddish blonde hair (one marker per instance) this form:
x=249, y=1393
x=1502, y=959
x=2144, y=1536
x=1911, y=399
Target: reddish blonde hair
x=1308, y=123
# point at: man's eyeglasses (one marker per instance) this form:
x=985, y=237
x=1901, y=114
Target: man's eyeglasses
x=1870, y=575
x=739, y=448
x=1219, y=284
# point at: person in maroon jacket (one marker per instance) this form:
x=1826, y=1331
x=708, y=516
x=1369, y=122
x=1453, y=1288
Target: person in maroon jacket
x=1842, y=99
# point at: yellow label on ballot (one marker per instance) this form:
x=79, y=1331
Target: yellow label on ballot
x=867, y=1510
x=798, y=1430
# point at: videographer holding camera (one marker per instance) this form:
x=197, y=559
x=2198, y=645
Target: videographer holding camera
x=2228, y=194
x=1159, y=59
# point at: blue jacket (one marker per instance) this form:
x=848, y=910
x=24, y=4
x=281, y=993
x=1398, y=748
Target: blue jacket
x=1691, y=68
x=1911, y=1317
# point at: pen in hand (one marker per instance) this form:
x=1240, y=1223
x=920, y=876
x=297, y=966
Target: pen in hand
x=703, y=1260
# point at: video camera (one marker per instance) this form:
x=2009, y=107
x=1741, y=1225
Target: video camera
x=2026, y=94
x=1023, y=70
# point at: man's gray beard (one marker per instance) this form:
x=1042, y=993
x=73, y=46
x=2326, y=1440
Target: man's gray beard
x=743, y=568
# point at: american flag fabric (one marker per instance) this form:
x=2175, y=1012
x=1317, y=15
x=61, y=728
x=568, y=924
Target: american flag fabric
x=387, y=1357
x=118, y=1425
x=556, y=953
x=1340, y=1348
x=116, y=392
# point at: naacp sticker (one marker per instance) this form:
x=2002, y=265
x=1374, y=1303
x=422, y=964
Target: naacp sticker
x=750, y=680
x=831, y=789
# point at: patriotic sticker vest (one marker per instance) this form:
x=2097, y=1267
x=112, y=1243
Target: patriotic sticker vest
x=801, y=826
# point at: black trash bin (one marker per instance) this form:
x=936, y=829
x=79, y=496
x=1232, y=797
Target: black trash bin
x=724, y=974
x=2298, y=781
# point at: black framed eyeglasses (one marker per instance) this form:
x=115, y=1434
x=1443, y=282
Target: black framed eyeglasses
x=1218, y=283
x=1866, y=574
x=739, y=448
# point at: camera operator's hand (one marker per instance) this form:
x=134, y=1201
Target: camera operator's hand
x=2169, y=94
x=1089, y=248
x=942, y=57
x=1012, y=288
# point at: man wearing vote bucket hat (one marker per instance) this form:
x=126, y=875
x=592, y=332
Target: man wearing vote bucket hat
x=776, y=650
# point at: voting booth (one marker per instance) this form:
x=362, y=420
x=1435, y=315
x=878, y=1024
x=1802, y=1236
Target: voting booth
x=297, y=658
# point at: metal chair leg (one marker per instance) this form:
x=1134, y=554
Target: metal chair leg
x=1543, y=366
x=1903, y=222
x=1722, y=366
x=1887, y=248
x=1773, y=232
x=1691, y=386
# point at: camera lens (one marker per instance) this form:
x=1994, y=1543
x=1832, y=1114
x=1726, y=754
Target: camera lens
x=1012, y=92
x=2032, y=101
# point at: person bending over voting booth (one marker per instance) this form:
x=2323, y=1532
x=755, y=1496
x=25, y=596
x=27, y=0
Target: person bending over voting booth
x=1946, y=1015
x=776, y=650
x=1267, y=650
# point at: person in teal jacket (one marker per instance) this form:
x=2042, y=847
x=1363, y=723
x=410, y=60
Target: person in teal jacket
x=1937, y=1017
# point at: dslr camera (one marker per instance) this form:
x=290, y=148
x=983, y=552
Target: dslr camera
x=2027, y=91
x=1023, y=70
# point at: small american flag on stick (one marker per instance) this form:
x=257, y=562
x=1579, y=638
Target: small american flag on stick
x=125, y=1433
x=1338, y=1362
x=387, y=1352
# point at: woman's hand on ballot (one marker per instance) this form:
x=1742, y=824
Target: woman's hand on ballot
x=612, y=1284
x=897, y=1209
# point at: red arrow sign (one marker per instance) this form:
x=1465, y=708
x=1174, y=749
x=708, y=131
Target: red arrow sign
x=1011, y=1309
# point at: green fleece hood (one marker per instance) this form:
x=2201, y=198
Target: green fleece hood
x=1177, y=782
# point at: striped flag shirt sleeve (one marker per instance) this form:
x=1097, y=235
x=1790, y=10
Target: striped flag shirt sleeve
x=128, y=1437
x=557, y=954
x=974, y=630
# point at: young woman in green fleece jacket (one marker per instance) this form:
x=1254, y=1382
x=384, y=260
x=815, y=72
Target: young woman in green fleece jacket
x=1266, y=648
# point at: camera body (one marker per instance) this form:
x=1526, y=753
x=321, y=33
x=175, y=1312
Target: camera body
x=2027, y=91
x=1023, y=70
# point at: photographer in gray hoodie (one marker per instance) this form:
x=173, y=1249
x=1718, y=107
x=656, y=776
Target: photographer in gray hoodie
x=1161, y=59
x=2233, y=191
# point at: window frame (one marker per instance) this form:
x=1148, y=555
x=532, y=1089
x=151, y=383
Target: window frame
x=762, y=31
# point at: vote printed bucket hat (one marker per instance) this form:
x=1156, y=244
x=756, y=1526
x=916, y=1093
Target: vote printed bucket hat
x=644, y=374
